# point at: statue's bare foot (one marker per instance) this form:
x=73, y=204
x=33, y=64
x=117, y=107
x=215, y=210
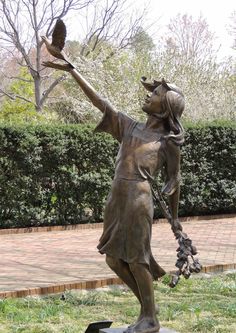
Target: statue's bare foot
x=141, y=316
x=145, y=325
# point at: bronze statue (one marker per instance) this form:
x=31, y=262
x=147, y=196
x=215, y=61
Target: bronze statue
x=145, y=149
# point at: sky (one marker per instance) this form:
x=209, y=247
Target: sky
x=217, y=14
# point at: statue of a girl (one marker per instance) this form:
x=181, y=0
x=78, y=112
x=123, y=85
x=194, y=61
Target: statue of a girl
x=145, y=149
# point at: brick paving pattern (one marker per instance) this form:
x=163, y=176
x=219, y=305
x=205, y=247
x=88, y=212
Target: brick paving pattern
x=45, y=262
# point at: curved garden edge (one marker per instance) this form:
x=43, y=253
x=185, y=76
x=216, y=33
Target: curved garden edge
x=99, y=225
x=92, y=284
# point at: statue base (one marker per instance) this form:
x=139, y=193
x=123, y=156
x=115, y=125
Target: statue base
x=122, y=329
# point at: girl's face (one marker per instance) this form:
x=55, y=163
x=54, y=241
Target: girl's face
x=153, y=103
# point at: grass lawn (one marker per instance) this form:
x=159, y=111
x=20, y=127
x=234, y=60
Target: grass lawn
x=200, y=304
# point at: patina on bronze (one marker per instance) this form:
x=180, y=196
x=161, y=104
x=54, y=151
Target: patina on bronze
x=145, y=149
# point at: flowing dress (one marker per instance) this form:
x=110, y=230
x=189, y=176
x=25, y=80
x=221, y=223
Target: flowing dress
x=128, y=214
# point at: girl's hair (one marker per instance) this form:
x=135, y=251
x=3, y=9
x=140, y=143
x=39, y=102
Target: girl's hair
x=173, y=106
x=174, y=103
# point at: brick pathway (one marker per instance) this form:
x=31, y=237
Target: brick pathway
x=45, y=262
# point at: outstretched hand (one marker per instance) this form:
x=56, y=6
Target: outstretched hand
x=63, y=67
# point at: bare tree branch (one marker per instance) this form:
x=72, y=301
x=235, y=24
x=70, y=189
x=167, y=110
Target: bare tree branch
x=109, y=24
x=15, y=96
x=51, y=87
x=19, y=78
x=21, y=22
x=24, y=99
x=190, y=37
x=4, y=93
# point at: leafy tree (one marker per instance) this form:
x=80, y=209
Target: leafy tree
x=15, y=107
x=142, y=42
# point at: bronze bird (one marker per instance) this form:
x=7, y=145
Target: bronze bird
x=55, y=48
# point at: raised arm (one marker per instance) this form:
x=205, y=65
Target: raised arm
x=101, y=103
x=55, y=48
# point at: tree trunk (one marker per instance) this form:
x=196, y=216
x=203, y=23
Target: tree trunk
x=37, y=89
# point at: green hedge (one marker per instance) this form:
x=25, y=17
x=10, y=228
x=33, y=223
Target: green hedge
x=209, y=170
x=52, y=175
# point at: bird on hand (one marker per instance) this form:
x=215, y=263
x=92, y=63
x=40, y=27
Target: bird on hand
x=55, y=48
